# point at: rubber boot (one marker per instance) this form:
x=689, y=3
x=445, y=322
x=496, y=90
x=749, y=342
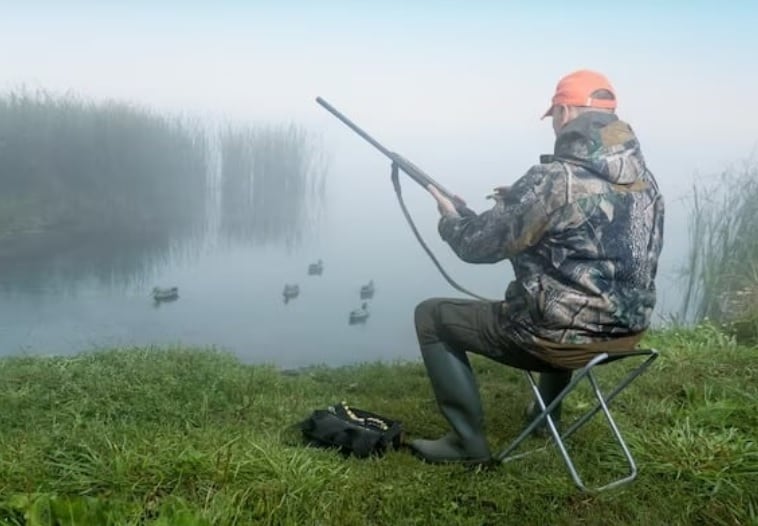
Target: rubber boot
x=458, y=399
x=550, y=386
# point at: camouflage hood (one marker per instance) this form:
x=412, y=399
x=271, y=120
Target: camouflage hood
x=602, y=144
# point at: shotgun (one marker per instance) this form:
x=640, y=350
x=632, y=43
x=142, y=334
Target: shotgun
x=415, y=173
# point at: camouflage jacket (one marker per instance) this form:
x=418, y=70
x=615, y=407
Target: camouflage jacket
x=583, y=231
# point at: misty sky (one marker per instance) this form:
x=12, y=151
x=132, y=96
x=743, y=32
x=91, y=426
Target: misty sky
x=474, y=73
x=458, y=86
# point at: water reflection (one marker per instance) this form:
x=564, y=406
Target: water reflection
x=56, y=263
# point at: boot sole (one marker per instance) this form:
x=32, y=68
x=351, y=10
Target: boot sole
x=473, y=462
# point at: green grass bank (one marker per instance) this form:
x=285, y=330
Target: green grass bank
x=192, y=436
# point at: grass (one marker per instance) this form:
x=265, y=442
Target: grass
x=185, y=437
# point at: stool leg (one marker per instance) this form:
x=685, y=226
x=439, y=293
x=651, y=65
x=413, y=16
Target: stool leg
x=550, y=386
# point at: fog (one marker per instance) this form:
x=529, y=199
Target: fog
x=457, y=87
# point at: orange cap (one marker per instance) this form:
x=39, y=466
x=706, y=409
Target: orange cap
x=575, y=89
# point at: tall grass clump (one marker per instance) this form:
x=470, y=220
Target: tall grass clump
x=272, y=181
x=73, y=165
x=722, y=267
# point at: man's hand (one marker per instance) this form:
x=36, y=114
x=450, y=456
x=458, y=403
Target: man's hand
x=499, y=192
x=444, y=205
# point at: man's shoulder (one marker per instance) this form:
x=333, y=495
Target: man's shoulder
x=549, y=172
x=544, y=182
x=548, y=168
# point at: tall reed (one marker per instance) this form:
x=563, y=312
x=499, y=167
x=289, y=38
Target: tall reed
x=722, y=265
x=272, y=183
x=71, y=164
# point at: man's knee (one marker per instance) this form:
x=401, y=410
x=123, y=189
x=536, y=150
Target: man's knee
x=425, y=311
x=425, y=320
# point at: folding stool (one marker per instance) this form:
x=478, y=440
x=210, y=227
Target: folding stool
x=602, y=405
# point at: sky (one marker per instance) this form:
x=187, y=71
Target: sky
x=457, y=86
x=474, y=73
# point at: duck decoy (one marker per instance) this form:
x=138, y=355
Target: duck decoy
x=316, y=269
x=290, y=292
x=359, y=315
x=367, y=291
x=167, y=294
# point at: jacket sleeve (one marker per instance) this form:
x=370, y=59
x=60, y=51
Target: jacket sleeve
x=516, y=222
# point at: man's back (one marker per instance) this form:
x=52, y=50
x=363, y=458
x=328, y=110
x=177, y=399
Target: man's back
x=590, y=277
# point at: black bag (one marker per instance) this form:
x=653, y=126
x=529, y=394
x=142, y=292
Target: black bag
x=353, y=431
